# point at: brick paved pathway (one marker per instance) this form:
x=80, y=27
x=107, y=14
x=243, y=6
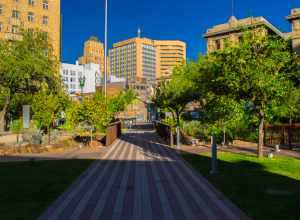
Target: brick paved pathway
x=139, y=178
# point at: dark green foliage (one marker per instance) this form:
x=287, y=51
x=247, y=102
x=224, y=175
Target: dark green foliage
x=27, y=188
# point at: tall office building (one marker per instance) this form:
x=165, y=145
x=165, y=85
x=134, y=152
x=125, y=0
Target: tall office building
x=93, y=52
x=133, y=59
x=43, y=15
x=169, y=54
x=143, y=58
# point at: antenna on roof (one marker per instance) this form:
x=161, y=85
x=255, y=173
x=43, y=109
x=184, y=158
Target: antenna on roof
x=139, y=33
x=232, y=7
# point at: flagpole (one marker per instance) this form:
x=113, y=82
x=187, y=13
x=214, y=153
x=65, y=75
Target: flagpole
x=105, y=49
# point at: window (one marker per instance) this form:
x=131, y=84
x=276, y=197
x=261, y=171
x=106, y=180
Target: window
x=15, y=14
x=45, y=4
x=1, y=9
x=14, y=29
x=65, y=72
x=45, y=20
x=31, y=2
x=218, y=44
x=1, y=26
x=30, y=17
x=72, y=79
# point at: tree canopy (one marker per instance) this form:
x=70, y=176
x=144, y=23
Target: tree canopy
x=26, y=67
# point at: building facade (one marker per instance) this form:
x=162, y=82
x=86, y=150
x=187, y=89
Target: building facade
x=234, y=28
x=43, y=15
x=145, y=59
x=93, y=52
x=71, y=74
x=133, y=59
x=294, y=19
x=169, y=54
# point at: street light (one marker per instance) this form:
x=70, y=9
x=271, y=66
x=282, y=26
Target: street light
x=105, y=48
x=81, y=84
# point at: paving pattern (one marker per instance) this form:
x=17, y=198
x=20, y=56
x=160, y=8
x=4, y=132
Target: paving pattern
x=139, y=178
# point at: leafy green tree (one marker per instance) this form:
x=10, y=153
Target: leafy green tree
x=26, y=66
x=46, y=108
x=97, y=112
x=258, y=70
x=222, y=114
x=174, y=95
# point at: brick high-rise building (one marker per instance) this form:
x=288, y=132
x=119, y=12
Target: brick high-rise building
x=43, y=15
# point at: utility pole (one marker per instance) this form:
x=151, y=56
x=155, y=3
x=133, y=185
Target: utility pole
x=105, y=48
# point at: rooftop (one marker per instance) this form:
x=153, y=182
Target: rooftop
x=235, y=25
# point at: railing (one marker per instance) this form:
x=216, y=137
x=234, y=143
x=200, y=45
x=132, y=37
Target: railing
x=164, y=131
x=113, y=132
x=282, y=134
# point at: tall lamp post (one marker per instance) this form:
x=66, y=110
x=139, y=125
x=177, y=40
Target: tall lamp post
x=81, y=85
x=105, y=48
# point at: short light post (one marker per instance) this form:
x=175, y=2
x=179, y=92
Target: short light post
x=81, y=84
x=214, y=155
x=178, y=136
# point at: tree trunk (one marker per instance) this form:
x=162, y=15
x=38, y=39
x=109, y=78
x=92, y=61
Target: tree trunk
x=289, y=133
x=224, y=137
x=49, y=135
x=3, y=114
x=261, y=136
x=178, y=129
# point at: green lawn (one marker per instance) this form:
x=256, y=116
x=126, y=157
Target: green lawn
x=263, y=188
x=27, y=188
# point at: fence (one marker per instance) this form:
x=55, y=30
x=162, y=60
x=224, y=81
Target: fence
x=113, y=132
x=283, y=134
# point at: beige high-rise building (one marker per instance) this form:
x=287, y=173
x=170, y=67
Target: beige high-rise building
x=93, y=52
x=43, y=15
x=133, y=59
x=294, y=18
x=143, y=58
x=169, y=55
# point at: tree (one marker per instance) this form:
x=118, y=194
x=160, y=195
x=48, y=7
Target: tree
x=46, y=108
x=289, y=108
x=174, y=95
x=26, y=66
x=222, y=114
x=258, y=70
x=98, y=111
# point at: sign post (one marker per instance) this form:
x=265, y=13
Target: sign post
x=26, y=116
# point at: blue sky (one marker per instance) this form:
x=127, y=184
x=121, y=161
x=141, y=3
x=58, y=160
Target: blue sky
x=186, y=20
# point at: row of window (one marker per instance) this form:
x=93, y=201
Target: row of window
x=72, y=72
x=45, y=4
x=30, y=17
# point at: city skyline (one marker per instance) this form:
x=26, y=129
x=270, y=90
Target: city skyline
x=126, y=17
